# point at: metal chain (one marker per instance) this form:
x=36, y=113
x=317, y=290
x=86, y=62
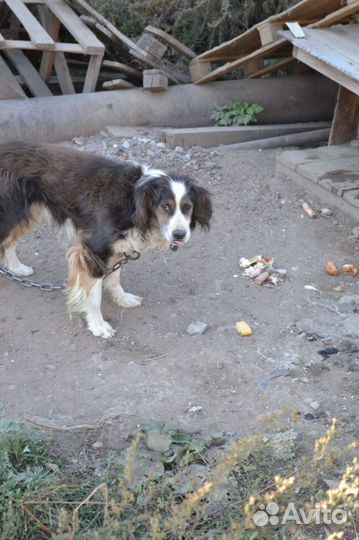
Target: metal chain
x=48, y=287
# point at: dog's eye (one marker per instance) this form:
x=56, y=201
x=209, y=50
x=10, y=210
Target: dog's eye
x=166, y=207
x=186, y=208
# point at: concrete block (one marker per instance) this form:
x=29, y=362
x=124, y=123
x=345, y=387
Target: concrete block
x=352, y=197
x=122, y=132
x=216, y=136
x=326, y=168
x=293, y=158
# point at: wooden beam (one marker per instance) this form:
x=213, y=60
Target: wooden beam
x=117, y=84
x=123, y=68
x=7, y=75
x=75, y=26
x=268, y=31
x=52, y=25
x=325, y=69
x=29, y=46
x=272, y=68
x=346, y=117
x=171, y=42
x=7, y=91
x=199, y=69
x=38, y=35
x=92, y=73
x=338, y=16
x=63, y=74
x=30, y=75
x=154, y=80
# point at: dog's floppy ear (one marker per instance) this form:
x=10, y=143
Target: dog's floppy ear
x=144, y=200
x=202, y=207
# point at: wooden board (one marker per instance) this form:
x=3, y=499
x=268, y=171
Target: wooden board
x=346, y=117
x=15, y=44
x=39, y=37
x=7, y=75
x=123, y=68
x=7, y=91
x=63, y=74
x=92, y=73
x=75, y=26
x=117, y=84
x=171, y=41
x=52, y=25
x=336, y=47
x=30, y=75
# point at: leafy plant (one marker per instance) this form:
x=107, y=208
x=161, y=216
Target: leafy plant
x=236, y=113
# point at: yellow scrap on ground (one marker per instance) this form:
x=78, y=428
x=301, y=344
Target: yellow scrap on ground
x=243, y=329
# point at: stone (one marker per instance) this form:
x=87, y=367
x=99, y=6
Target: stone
x=283, y=443
x=315, y=405
x=349, y=303
x=355, y=233
x=351, y=326
x=196, y=328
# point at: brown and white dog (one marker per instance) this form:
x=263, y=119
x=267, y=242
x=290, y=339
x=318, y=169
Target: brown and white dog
x=108, y=209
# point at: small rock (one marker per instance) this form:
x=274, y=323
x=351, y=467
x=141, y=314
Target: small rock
x=161, y=145
x=210, y=165
x=349, y=303
x=326, y=212
x=196, y=328
x=355, y=233
x=283, y=443
x=315, y=405
x=125, y=145
x=97, y=445
x=351, y=326
x=338, y=289
x=194, y=409
x=328, y=352
x=179, y=149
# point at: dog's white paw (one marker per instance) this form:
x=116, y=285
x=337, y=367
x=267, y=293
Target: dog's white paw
x=102, y=329
x=22, y=270
x=127, y=300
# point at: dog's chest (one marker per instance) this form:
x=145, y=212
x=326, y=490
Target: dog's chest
x=134, y=241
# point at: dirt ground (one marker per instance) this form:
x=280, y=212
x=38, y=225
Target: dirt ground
x=52, y=368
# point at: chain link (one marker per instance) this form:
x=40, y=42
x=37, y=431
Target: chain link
x=47, y=287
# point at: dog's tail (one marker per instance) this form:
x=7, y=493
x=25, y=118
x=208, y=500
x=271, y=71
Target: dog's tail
x=84, y=268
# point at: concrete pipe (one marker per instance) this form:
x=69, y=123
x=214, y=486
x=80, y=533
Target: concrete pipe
x=298, y=98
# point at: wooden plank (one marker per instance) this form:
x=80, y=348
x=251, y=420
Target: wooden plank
x=337, y=49
x=31, y=77
x=15, y=44
x=199, y=69
x=2, y=39
x=63, y=74
x=253, y=66
x=154, y=80
x=92, y=73
x=117, y=84
x=7, y=91
x=326, y=70
x=52, y=25
x=263, y=52
x=268, y=31
x=7, y=75
x=346, y=117
x=272, y=68
x=152, y=46
x=75, y=26
x=123, y=68
x=37, y=34
x=171, y=41
x=338, y=15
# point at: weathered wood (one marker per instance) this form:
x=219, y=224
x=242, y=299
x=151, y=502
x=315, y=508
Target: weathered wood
x=123, y=68
x=92, y=73
x=171, y=41
x=7, y=75
x=268, y=31
x=31, y=77
x=52, y=25
x=346, y=117
x=117, y=84
x=339, y=15
x=326, y=70
x=74, y=48
x=7, y=91
x=75, y=26
x=272, y=68
x=154, y=80
x=38, y=35
x=152, y=46
x=63, y=74
x=253, y=66
x=199, y=69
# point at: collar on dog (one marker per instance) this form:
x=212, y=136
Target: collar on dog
x=124, y=260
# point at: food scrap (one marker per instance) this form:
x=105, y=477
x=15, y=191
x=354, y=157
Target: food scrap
x=243, y=329
x=309, y=210
x=332, y=269
x=350, y=269
x=261, y=270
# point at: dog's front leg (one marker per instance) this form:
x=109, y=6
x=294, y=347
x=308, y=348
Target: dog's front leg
x=92, y=309
x=118, y=295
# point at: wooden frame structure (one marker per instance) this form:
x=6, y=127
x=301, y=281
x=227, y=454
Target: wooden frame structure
x=261, y=43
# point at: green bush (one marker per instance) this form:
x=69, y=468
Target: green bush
x=198, y=24
x=236, y=113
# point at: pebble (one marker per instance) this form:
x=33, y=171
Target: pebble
x=326, y=212
x=196, y=328
x=315, y=405
x=338, y=289
x=355, y=233
x=349, y=303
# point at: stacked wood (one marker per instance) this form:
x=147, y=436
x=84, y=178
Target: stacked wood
x=261, y=50
x=49, y=47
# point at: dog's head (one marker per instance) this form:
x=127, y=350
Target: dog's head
x=172, y=204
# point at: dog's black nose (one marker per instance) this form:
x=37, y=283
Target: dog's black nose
x=178, y=234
